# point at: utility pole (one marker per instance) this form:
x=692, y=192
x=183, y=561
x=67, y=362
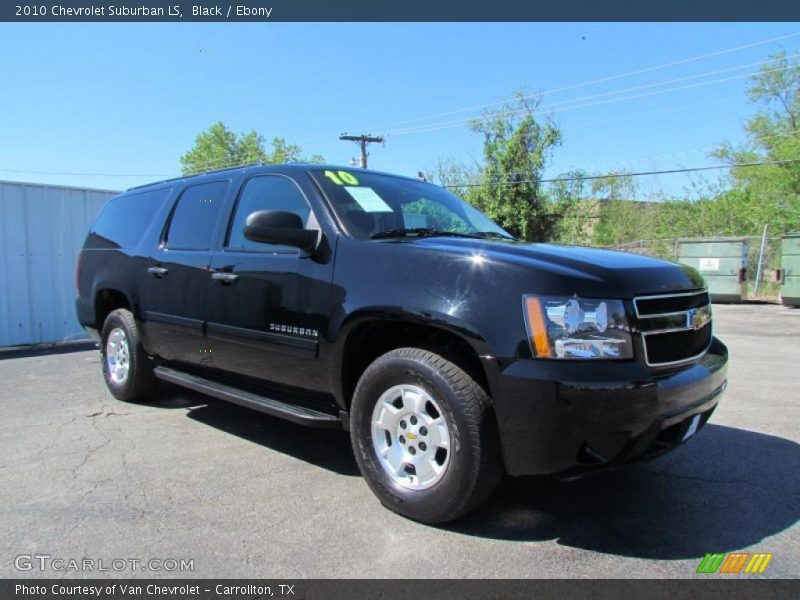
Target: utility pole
x=362, y=141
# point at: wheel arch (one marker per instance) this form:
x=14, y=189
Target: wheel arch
x=106, y=300
x=368, y=336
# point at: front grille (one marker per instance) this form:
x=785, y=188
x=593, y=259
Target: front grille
x=677, y=346
x=675, y=328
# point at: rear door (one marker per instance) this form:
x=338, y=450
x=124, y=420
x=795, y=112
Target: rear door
x=177, y=282
x=267, y=313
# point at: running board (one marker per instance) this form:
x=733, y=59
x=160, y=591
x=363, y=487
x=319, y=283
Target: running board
x=276, y=408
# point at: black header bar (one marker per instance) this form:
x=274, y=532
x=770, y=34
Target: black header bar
x=709, y=587
x=400, y=10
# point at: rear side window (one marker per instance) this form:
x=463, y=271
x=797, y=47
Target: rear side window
x=124, y=219
x=194, y=216
x=267, y=192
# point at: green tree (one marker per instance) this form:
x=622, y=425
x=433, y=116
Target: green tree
x=516, y=147
x=457, y=176
x=289, y=153
x=572, y=197
x=219, y=147
x=770, y=193
x=622, y=218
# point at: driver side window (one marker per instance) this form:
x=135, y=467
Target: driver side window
x=265, y=192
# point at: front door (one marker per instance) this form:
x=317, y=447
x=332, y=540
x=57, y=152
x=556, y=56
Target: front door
x=270, y=304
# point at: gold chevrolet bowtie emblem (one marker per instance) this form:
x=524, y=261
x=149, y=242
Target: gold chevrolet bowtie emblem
x=411, y=436
x=696, y=319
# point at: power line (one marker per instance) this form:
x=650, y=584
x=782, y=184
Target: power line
x=557, y=179
x=477, y=107
x=558, y=107
x=554, y=106
x=460, y=122
x=554, y=180
x=597, y=81
x=683, y=152
x=580, y=84
x=680, y=153
x=85, y=174
x=637, y=174
x=677, y=80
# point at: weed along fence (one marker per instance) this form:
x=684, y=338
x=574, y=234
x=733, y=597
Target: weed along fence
x=736, y=269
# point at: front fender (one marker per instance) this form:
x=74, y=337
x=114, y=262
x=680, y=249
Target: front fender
x=341, y=330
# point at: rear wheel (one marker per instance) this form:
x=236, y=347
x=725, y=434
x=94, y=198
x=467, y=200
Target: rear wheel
x=127, y=370
x=424, y=436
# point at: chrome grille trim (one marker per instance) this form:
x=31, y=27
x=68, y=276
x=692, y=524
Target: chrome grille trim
x=659, y=296
x=642, y=318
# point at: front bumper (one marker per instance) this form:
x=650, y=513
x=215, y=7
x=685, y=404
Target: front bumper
x=564, y=417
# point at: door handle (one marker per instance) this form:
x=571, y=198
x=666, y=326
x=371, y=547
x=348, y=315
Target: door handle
x=158, y=272
x=224, y=278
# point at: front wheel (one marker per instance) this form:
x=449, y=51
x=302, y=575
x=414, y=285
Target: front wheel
x=424, y=436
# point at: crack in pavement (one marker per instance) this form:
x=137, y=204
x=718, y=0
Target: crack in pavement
x=89, y=453
x=107, y=414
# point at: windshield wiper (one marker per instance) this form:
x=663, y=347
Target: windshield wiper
x=492, y=234
x=407, y=231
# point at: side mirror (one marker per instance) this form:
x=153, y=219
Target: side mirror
x=280, y=227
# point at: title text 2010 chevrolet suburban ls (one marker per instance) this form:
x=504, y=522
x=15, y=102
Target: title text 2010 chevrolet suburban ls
x=336, y=297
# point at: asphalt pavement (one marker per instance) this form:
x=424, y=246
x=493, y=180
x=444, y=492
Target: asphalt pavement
x=234, y=493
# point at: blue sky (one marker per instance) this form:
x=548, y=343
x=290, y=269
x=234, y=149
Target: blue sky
x=128, y=99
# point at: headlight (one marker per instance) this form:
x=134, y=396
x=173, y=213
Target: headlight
x=577, y=328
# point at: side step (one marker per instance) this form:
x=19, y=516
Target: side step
x=276, y=408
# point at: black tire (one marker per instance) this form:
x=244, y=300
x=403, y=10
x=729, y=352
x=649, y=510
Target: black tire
x=474, y=468
x=140, y=382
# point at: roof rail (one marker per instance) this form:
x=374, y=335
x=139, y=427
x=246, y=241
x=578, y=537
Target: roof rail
x=242, y=166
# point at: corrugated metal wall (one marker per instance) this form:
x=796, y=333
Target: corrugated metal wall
x=42, y=228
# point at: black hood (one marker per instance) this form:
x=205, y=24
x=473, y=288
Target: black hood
x=603, y=273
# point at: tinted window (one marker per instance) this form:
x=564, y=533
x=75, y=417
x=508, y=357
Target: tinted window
x=268, y=192
x=195, y=215
x=123, y=220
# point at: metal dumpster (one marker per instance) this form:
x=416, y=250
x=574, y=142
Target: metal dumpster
x=790, y=269
x=721, y=262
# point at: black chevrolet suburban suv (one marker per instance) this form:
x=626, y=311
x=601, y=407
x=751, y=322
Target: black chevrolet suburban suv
x=387, y=306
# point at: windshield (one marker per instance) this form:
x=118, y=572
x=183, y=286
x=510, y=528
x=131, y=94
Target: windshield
x=378, y=206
